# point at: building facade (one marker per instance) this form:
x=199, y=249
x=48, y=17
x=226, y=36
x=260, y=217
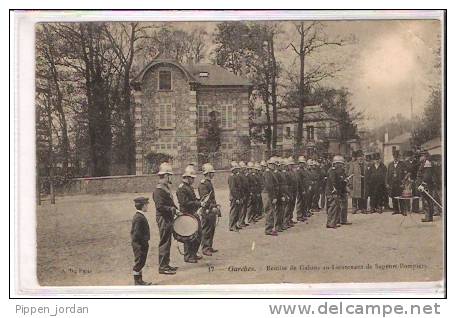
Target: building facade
x=173, y=107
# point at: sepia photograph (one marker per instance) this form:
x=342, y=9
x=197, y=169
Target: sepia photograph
x=239, y=151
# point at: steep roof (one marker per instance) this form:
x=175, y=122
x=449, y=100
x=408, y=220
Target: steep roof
x=216, y=75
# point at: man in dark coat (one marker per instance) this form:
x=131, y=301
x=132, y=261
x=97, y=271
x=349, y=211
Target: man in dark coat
x=428, y=184
x=140, y=236
x=394, y=178
x=314, y=177
x=211, y=209
x=336, y=194
x=165, y=212
x=412, y=165
x=189, y=204
x=245, y=202
x=270, y=196
x=282, y=177
x=236, y=196
x=375, y=179
x=292, y=192
x=302, y=189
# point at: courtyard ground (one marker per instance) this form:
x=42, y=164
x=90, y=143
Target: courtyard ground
x=84, y=240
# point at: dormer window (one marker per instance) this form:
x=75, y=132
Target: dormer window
x=204, y=74
x=164, y=80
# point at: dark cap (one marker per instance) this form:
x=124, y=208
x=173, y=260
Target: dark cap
x=376, y=156
x=141, y=200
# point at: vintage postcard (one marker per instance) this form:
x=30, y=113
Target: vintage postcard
x=294, y=148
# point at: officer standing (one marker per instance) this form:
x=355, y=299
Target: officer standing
x=210, y=211
x=244, y=183
x=252, y=185
x=270, y=196
x=260, y=182
x=335, y=192
x=236, y=195
x=357, y=171
x=301, y=175
x=313, y=186
x=394, y=178
x=292, y=192
x=283, y=190
x=165, y=212
x=411, y=166
x=140, y=236
x=189, y=204
x=428, y=182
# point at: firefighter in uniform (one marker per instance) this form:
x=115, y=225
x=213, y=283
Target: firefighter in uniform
x=236, y=195
x=211, y=210
x=189, y=204
x=335, y=193
x=301, y=176
x=165, y=212
x=292, y=192
x=244, y=183
x=252, y=188
x=261, y=167
x=270, y=196
x=428, y=183
x=313, y=185
x=283, y=190
x=140, y=236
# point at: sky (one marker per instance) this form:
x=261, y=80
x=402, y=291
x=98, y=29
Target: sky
x=387, y=65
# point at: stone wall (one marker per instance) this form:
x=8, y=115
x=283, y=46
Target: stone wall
x=235, y=141
x=176, y=140
x=131, y=184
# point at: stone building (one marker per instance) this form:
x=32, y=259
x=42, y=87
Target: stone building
x=173, y=105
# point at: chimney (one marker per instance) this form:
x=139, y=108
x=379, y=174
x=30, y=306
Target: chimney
x=386, y=137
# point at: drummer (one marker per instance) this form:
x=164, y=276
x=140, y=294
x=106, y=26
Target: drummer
x=165, y=212
x=189, y=204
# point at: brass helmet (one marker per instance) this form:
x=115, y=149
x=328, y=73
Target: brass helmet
x=302, y=159
x=290, y=161
x=189, y=172
x=234, y=165
x=165, y=168
x=250, y=165
x=208, y=168
x=263, y=163
x=338, y=159
x=257, y=166
x=242, y=164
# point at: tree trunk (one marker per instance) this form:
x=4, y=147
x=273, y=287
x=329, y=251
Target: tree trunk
x=300, y=127
x=273, y=93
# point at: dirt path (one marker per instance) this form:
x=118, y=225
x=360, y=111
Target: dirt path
x=84, y=240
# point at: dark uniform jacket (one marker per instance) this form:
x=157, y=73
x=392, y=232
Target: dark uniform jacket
x=292, y=179
x=260, y=181
x=283, y=183
x=336, y=183
x=236, y=188
x=375, y=177
x=303, y=180
x=271, y=184
x=188, y=202
x=204, y=188
x=429, y=178
x=412, y=168
x=164, y=203
x=140, y=232
x=244, y=184
x=313, y=176
x=251, y=182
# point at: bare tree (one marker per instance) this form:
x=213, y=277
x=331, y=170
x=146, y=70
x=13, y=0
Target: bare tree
x=311, y=38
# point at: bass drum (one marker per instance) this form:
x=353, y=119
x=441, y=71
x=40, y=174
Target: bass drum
x=185, y=228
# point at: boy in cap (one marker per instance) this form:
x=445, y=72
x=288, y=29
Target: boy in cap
x=140, y=236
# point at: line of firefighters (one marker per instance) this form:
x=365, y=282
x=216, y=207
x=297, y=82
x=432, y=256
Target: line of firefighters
x=280, y=186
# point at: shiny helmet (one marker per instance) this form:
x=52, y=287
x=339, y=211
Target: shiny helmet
x=208, y=168
x=165, y=168
x=338, y=159
x=263, y=163
x=189, y=172
x=302, y=159
x=234, y=165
